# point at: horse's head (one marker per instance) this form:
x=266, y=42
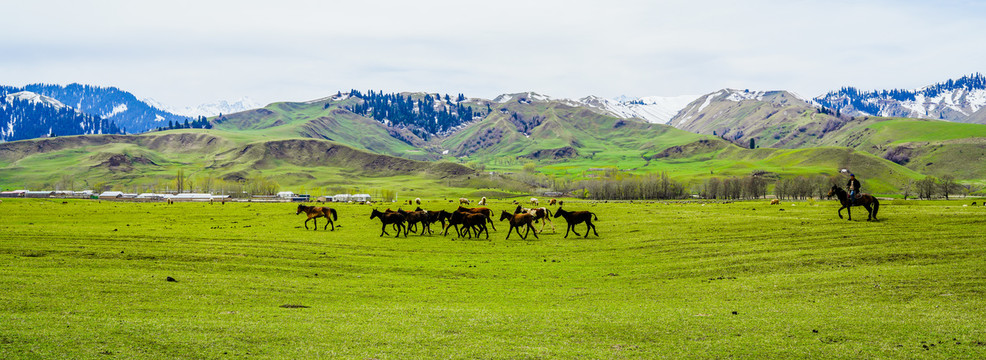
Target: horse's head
x=375, y=213
x=301, y=208
x=505, y=215
x=559, y=212
x=835, y=190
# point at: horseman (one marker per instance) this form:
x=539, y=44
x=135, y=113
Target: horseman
x=853, y=187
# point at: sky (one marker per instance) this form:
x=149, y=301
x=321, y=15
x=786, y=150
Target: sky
x=184, y=53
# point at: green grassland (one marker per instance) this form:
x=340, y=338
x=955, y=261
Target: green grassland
x=87, y=279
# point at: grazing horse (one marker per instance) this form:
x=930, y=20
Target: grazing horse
x=388, y=218
x=518, y=220
x=463, y=201
x=864, y=199
x=541, y=213
x=417, y=201
x=479, y=210
x=316, y=212
x=482, y=201
x=552, y=202
x=415, y=217
x=577, y=217
x=534, y=201
x=775, y=202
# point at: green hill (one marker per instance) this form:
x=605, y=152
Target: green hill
x=220, y=160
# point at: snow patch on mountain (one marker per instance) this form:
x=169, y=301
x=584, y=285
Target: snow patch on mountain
x=119, y=109
x=208, y=110
x=654, y=109
x=34, y=98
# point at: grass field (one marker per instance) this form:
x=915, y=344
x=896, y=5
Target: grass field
x=86, y=279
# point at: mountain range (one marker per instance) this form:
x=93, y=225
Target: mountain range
x=725, y=133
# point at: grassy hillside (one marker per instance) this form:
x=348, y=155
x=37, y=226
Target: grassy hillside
x=320, y=119
x=150, y=162
x=740, y=280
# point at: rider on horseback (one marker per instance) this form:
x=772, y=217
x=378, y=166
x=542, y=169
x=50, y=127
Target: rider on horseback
x=853, y=187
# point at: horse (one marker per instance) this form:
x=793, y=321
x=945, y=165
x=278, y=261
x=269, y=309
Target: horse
x=534, y=201
x=389, y=218
x=864, y=200
x=479, y=210
x=541, y=213
x=482, y=201
x=316, y=212
x=577, y=217
x=417, y=201
x=414, y=217
x=463, y=201
x=518, y=220
x=775, y=202
x=552, y=202
x=470, y=222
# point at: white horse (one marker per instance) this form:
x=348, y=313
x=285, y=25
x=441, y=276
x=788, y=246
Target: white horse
x=482, y=201
x=541, y=213
x=534, y=201
x=463, y=201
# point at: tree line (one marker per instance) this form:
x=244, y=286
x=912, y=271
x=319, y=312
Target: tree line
x=425, y=117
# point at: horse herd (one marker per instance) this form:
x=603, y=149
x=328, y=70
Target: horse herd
x=473, y=221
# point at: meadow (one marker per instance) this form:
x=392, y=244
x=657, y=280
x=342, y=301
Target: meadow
x=87, y=279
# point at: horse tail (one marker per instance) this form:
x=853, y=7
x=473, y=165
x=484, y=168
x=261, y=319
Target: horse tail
x=547, y=213
x=335, y=217
x=595, y=217
x=876, y=207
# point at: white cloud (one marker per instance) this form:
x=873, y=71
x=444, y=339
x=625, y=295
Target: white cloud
x=189, y=52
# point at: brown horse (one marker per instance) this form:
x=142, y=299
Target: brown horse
x=316, y=212
x=479, y=210
x=518, y=220
x=388, y=218
x=540, y=214
x=415, y=217
x=470, y=222
x=577, y=217
x=864, y=200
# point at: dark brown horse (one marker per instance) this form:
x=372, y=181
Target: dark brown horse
x=470, y=222
x=316, y=212
x=480, y=210
x=864, y=200
x=577, y=217
x=390, y=218
x=415, y=217
x=518, y=220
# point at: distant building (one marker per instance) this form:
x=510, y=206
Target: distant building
x=360, y=198
x=341, y=198
x=111, y=195
x=39, y=194
x=286, y=194
x=13, y=194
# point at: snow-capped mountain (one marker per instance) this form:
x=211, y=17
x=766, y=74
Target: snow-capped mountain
x=211, y=109
x=952, y=100
x=654, y=109
x=28, y=115
x=110, y=103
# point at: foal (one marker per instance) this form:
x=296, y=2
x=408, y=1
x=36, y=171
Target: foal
x=541, y=213
x=316, y=212
x=577, y=217
x=518, y=220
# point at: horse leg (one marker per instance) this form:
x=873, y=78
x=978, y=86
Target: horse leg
x=573, y=229
x=489, y=218
x=531, y=227
x=383, y=230
x=849, y=212
x=306, y=223
x=840, y=212
x=509, y=231
x=566, y=230
x=593, y=229
x=869, y=212
x=333, y=225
